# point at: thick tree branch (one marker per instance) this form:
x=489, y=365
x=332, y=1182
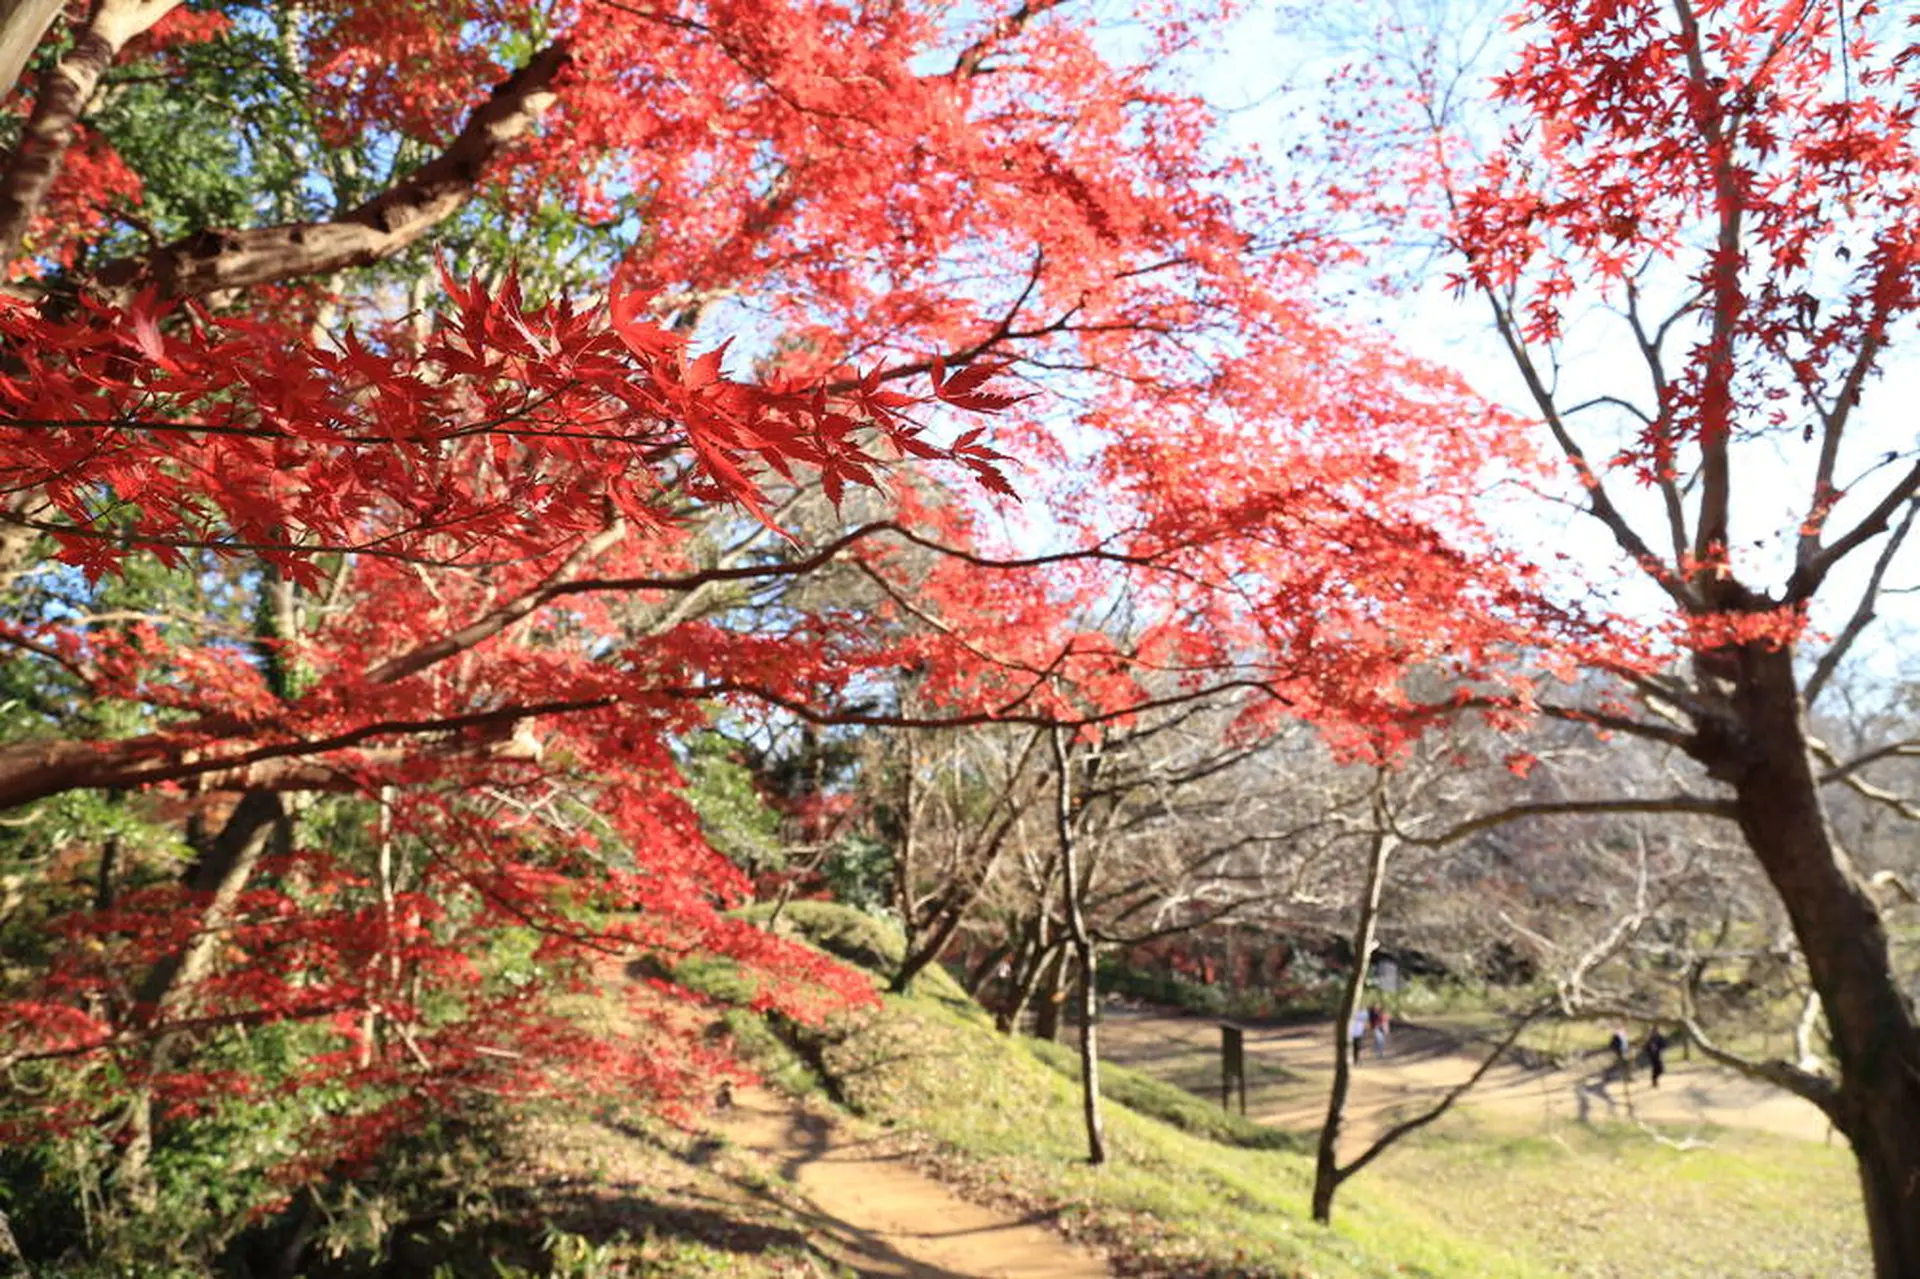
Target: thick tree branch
x=1696, y=804
x=64, y=93
x=1718, y=132
x=1805, y=1084
x=35, y=770
x=971, y=61
x=22, y=24
x=1813, y=569
x=211, y=260
x=1609, y=722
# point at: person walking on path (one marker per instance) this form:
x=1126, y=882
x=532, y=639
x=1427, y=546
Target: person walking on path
x=1656, y=1055
x=1622, y=1064
x=1378, y=1022
x=1357, y=1032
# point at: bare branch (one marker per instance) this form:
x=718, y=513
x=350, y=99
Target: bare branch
x=1698, y=805
x=1805, y=1084
x=1600, y=503
x=972, y=58
x=1453, y=1094
x=1813, y=569
x=499, y=619
x=1657, y=371
x=1863, y=611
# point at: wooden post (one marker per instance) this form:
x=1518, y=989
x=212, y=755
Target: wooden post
x=1233, y=1066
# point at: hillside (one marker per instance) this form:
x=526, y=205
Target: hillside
x=1194, y=1192
x=913, y=1140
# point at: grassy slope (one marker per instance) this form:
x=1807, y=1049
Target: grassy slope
x=1191, y=1192
x=1610, y=1201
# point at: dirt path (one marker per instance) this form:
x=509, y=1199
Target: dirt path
x=876, y=1213
x=1289, y=1068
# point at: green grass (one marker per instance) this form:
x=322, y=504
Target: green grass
x=1168, y=1102
x=1004, y=1124
x=1609, y=1201
x=1192, y=1192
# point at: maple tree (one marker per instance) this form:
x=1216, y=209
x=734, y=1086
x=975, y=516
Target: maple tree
x=386, y=595
x=1737, y=186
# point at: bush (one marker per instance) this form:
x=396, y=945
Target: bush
x=843, y=932
x=1116, y=977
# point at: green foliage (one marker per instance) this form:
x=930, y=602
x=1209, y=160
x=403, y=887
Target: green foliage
x=733, y=814
x=211, y=1170
x=215, y=134
x=1117, y=977
x=842, y=931
x=859, y=871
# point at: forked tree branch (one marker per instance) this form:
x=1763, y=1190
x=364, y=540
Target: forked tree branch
x=1813, y=569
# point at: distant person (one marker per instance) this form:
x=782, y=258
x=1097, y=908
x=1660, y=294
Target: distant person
x=1622, y=1065
x=1357, y=1032
x=1378, y=1022
x=1656, y=1055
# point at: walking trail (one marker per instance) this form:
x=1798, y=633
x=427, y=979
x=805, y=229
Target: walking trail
x=878, y=1215
x=1288, y=1069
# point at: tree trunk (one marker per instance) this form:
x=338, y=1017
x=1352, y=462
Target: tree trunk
x=1327, y=1173
x=1029, y=956
x=935, y=935
x=1874, y=1036
x=225, y=871
x=1052, y=992
x=947, y=912
x=1073, y=893
x=904, y=868
x=1090, y=1055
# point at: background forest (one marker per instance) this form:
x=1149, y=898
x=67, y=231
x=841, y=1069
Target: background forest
x=502, y=503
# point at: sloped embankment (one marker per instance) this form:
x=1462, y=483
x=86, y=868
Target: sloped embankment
x=1189, y=1191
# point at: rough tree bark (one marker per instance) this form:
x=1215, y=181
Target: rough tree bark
x=1875, y=1040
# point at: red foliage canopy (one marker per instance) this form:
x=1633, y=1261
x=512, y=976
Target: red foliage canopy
x=510, y=529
